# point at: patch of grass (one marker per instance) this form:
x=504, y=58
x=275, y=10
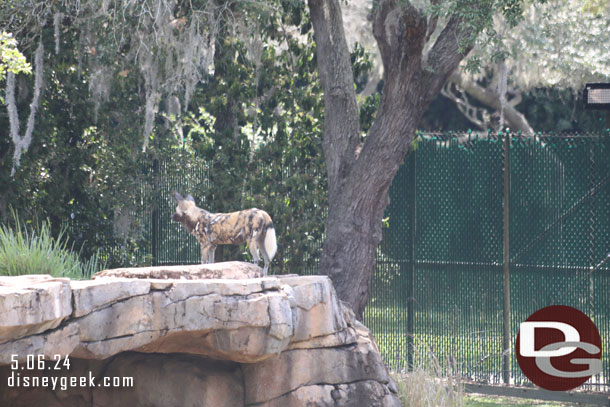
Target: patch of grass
x=420, y=388
x=491, y=401
x=430, y=386
x=424, y=388
x=33, y=250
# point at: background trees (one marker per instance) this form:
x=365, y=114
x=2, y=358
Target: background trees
x=120, y=85
x=128, y=84
x=557, y=44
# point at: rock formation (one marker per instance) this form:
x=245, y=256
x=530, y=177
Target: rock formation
x=180, y=336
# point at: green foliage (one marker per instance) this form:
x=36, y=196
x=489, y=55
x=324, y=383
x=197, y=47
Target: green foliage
x=361, y=66
x=25, y=249
x=251, y=134
x=368, y=111
x=260, y=133
x=79, y=171
x=11, y=60
x=477, y=20
x=597, y=7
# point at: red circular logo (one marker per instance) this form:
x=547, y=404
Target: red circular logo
x=559, y=348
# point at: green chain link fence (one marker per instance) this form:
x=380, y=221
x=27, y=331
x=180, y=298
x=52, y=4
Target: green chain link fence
x=439, y=280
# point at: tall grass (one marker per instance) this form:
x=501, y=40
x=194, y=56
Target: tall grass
x=427, y=386
x=33, y=250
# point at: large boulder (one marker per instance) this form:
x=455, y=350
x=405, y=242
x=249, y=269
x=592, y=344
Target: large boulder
x=170, y=338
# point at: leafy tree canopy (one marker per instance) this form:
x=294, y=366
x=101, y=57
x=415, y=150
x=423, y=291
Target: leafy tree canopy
x=131, y=91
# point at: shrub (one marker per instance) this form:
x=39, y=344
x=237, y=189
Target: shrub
x=33, y=250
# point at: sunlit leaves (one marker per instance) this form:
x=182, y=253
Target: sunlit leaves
x=11, y=60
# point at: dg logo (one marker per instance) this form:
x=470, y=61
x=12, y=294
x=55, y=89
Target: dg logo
x=559, y=348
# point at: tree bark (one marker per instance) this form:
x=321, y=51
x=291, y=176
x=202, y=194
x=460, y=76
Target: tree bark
x=359, y=183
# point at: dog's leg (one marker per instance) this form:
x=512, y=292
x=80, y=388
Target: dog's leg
x=253, y=246
x=211, y=254
x=264, y=253
x=266, y=259
x=205, y=254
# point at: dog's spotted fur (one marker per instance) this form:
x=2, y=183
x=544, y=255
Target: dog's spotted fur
x=251, y=226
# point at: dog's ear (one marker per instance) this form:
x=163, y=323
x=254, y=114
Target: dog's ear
x=178, y=197
x=189, y=197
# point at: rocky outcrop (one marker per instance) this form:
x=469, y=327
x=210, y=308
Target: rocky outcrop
x=185, y=341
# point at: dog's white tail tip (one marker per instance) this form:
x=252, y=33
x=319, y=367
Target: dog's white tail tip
x=270, y=243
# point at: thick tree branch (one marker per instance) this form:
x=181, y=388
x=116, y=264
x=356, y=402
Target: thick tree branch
x=381, y=10
x=400, y=30
x=341, y=119
x=515, y=120
x=451, y=46
x=432, y=21
x=479, y=116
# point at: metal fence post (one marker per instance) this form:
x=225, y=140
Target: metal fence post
x=155, y=215
x=411, y=273
x=592, y=229
x=505, y=262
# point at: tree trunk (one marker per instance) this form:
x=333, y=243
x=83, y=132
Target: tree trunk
x=359, y=183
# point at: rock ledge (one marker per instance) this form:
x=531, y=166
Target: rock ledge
x=188, y=338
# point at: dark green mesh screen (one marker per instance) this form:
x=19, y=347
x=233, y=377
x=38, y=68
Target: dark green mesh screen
x=444, y=232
